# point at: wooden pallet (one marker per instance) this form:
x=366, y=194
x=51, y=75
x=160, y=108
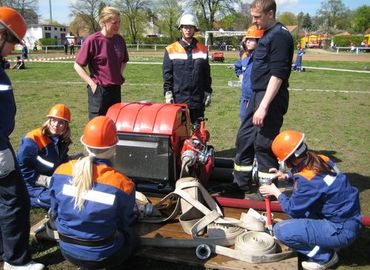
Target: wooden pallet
x=185, y=256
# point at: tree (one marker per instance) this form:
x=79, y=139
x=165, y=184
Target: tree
x=299, y=24
x=133, y=12
x=307, y=22
x=288, y=18
x=361, y=19
x=78, y=27
x=169, y=11
x=240, y=19
x=334, y=14
x=27, y=8
x=88, y=11
x=208, y=10
x=21, y=5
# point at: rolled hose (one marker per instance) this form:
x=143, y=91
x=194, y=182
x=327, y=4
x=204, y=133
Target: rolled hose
x=251, y=247
x=260, y=205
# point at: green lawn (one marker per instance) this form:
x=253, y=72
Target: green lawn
x=336, y=122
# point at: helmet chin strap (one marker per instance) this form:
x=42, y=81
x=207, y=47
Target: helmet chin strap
x=2, y=44
x=4, y=37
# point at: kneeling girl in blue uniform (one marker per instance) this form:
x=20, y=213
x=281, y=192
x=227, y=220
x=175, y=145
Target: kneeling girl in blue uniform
x=324, y=207
x=41, y=151
x=92, y=204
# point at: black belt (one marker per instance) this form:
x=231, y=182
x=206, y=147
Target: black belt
x=90, y=243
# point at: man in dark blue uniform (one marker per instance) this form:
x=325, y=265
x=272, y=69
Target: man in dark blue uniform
x=14, y=200
x=272, y=61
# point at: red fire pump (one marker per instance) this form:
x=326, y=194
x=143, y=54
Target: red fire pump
x=157, y=145
x=197, y=159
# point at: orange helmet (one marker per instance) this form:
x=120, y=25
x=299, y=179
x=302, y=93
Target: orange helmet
x=100, y=133
x=60, y=111
x=287, y=143
x=14, y=22
x=253, y=32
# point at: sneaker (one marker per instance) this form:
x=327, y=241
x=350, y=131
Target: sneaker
x=317, y=266
x=29, y=266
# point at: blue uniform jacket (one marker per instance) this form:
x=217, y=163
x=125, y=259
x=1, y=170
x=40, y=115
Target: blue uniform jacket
x=7, y=110
x=38, y=155
x=108, y=209
x=320, y=196
x=244, y=66
x=186, y=72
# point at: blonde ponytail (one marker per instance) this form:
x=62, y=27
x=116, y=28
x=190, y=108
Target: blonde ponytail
x=83, y=173
x=82, y=180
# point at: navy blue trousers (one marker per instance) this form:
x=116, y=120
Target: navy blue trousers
x=254, y=141
x=316, y=238
x=14, y=219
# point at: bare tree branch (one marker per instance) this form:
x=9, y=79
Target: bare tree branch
x=88, y=11
x=133, y=11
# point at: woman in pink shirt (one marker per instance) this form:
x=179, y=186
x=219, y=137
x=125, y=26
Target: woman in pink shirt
x=105, y=54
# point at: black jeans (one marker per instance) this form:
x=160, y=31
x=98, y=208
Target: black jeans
x=195, y=114
x=102, y=99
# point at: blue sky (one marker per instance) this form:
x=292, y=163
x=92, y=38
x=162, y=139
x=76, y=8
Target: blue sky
x=60, y=9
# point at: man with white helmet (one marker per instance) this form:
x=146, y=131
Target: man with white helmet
x=14, y=199
x=186, y=70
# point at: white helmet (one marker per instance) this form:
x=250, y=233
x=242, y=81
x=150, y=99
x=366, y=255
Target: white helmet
x=189, y=19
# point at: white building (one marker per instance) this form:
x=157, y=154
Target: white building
x=37, y=31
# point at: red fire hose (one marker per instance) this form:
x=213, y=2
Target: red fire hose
x=260, y=205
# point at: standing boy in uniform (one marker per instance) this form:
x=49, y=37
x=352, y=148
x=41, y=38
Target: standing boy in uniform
x=14, y=199
x=186, y=70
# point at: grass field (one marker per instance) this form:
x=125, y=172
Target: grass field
x=331, y=107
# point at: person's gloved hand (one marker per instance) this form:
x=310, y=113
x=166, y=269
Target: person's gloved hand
x=7, y=164
x=207, y=99
x=43, y=181
x=169, y=97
